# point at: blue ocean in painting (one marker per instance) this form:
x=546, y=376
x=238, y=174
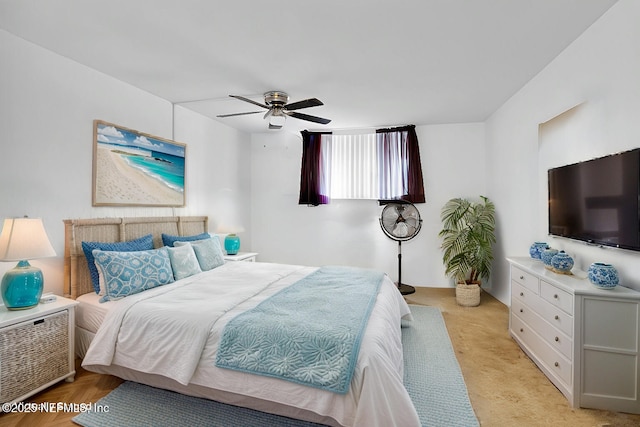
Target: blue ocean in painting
x=156, y=158
x=162, y=166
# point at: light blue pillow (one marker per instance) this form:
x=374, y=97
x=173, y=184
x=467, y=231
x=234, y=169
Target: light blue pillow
x=142, y=244
x=169, y=240
x=127, y=273
x=208, y=251
x=183, y=261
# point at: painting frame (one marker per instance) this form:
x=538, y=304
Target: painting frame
x=133, y=168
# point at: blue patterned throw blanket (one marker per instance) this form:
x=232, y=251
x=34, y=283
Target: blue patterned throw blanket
x=308, y=333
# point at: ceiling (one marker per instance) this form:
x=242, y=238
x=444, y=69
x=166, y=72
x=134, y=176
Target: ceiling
x=373, y=63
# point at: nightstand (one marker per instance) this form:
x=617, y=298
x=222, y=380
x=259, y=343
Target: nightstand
x=36, y=348
x=242, y=256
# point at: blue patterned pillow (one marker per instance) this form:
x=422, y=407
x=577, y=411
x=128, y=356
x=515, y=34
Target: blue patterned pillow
x=127, y=273
x=183, y=261
x=169, y=240
x=142, y=244
x=208, y=251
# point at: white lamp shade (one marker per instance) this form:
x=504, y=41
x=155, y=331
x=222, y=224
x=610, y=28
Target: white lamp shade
x=23, y=239
x=230, y=229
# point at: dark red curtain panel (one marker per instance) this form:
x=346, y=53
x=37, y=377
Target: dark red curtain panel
x=311, y=171
x=409, y=158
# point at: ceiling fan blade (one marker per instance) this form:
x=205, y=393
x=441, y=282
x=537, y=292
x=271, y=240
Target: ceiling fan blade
x=305, y=103
x=238, y=114
x=250, y=101
x=308, y=118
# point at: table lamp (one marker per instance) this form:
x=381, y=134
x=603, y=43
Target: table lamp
x=23, y=239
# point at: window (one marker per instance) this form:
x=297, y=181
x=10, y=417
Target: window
x=382, y=166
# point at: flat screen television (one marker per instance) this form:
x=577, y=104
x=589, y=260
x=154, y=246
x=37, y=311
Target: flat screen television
x=596, y=201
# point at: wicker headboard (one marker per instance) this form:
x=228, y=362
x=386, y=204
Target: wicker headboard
x=76, y=273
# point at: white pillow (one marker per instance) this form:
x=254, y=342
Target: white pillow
x=208, y=251
x=183, y=261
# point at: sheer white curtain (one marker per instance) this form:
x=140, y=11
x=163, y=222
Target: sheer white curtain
x=325, y=164
x=392, y=164
x=354, y=167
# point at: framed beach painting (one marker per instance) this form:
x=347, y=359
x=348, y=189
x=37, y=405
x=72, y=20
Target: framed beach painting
x=131, y=168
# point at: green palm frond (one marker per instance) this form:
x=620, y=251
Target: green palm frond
x=468, y=235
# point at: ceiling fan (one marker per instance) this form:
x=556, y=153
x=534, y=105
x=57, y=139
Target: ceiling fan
x=278, y=109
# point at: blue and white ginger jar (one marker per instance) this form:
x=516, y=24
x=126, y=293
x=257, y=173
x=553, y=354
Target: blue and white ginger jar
x=603, y=276
x=536, y=249
x=547, y=255
x=562, y=262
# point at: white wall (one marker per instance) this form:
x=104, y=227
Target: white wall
x=598, y=73
x=218, y=172
x=348, y=231
x=47, y=107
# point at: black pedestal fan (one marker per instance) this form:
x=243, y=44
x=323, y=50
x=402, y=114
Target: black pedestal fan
x=401, y=222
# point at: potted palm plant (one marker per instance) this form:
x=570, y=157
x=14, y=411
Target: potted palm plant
x=468, y=235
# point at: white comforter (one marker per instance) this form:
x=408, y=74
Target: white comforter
x=173, y=331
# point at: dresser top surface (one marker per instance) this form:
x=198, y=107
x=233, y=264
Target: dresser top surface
x=10, y=317
x=577, y=283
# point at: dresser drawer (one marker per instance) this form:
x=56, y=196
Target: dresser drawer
x=521, y=293
x=557, y=297
x=548, y=311
x=544, y=354
x=556, y=317
x=551, y=335
x=527, y=280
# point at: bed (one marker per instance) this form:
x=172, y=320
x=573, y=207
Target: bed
x=109, y=344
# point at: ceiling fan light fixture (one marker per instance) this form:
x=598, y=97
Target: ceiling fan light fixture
x=277, y=120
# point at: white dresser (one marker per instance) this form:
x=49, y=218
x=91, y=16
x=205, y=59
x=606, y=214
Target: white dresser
x=586, y=340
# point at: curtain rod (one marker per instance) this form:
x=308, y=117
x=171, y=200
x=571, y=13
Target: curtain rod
x=361, y=129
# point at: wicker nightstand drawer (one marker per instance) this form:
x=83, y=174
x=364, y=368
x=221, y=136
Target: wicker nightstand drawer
x=36, y=348
x=33, y=353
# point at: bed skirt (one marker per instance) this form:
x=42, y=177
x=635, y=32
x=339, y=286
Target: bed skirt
x=217, y=395
x=83, y=340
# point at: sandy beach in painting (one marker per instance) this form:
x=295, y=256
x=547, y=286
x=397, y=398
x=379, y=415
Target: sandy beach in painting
x=119, y=183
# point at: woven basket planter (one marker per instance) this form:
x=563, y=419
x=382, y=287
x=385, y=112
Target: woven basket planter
x=468, y=295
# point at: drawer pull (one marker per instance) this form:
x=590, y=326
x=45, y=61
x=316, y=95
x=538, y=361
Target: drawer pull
x=521, y=311
x=556, y=317
x=521, y=277
x=37, y=322
x=557, y=339
x=555, y=296
x=556, y=364
x=521, y=294
x=521, y=330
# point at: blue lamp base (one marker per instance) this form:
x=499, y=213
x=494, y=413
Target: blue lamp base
x=232, y=244
x=22, y=286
